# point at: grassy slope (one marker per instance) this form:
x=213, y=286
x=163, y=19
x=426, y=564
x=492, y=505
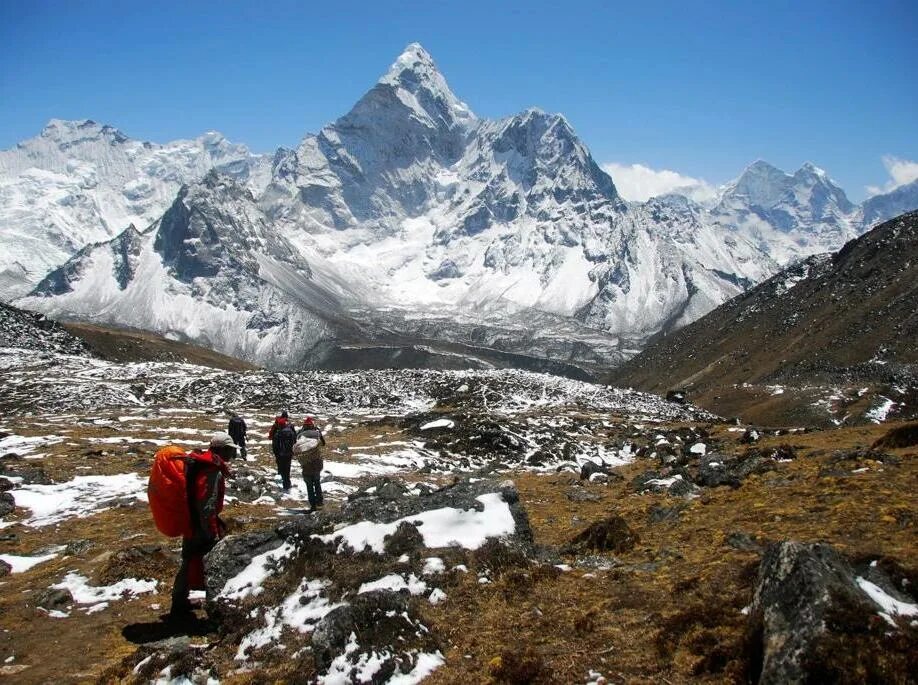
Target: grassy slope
x=127, y=345
x=668, y=609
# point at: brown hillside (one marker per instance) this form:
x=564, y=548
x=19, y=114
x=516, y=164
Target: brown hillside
x=124, y=345
x=847, y=318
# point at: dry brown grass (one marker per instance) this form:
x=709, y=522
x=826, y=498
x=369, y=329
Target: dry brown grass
x=666, y=610
x=680, y=622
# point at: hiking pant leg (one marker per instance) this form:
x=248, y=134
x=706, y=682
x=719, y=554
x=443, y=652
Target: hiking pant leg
x=182, y=585
x=317, y=488
x=310, y=489
x=283, y=468
x=180, y=589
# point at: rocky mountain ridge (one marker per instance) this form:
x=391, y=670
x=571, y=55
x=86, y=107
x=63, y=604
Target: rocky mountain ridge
x=842, y=319
x=413, y=215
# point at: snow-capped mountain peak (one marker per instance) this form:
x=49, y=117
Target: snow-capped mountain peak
x=420, y=86
x=81, y=182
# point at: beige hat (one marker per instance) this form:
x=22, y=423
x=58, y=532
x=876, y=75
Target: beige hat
x=221, y=439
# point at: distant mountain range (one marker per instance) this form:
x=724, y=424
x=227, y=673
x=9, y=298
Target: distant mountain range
x=408, y=221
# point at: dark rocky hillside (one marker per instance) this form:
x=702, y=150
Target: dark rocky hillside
x=33, y=331
x=846, y=319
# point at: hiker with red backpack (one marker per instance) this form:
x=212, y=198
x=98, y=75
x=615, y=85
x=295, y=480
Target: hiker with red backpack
x=283, y=438
x=186, y=494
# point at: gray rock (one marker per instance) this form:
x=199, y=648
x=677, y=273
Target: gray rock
x=658, y=514
x=76, y=548
x=381, y=621
x=589, y=468
x=743, y=542
x=582, y=495
x=717, y=469
x=5, y=568
x=7, y=503
x=54, y=599
x=806, y=610
x=233, y=553
x=6, y=484
x=404, y=540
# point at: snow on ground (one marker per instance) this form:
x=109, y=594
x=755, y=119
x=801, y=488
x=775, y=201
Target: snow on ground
x=396, y=583
x=302, y=610
x=81, y=496
x=439, y=527
x=439, y=423
x=879, y=413
x=890, y=605
x=20, y=564
x=99, y=596
x=20, y=445
x=248, y=581
x=366, y=665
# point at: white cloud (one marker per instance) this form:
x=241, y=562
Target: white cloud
x=640, y=183
x=901, y=171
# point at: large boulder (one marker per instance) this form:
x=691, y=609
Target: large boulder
x=380, y=622
x=812, y=620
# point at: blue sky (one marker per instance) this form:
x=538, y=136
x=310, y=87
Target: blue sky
x=700, y=88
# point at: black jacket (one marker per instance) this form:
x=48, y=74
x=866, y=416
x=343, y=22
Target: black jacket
x=237, y=429
x=283, y=441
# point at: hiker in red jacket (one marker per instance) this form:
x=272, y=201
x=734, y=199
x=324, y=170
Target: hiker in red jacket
x=205, y=478
x=279, y=422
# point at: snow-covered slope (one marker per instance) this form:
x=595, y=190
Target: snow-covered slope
x=787, y=215
x=211, y=270
x=443, y=211
x=880, y=208
x=80, y=182
x=427, y=223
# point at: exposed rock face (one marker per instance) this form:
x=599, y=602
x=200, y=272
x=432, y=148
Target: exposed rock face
x=79, y=183
x=809, y=604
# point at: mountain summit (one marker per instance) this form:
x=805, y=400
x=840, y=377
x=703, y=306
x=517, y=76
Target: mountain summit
x=408, y=214
x=420, y=86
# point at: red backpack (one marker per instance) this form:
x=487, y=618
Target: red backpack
x=167, y=492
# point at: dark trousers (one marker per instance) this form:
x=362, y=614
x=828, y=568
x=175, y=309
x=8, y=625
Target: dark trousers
x=190, y=575
x=283, y=468
x=313, y=488
x=240, y=443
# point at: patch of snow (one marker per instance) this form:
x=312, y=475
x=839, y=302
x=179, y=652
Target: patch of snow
x=20, y=564
x=80, y=497
x=433, y=565
x=879, y=413
x=664, y=482
x=395, y=583
x=248, y=582
x=890, y=605
x=439, y=527
x=84, y=593
x=439, y=423
x=302, y=610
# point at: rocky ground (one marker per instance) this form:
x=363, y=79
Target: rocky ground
x=500, y=527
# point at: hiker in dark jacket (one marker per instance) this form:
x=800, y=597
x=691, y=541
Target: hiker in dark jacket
x=205, y=480
x=283, y=438
x=311, y=461
x=279, y=421
x=237, y=431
